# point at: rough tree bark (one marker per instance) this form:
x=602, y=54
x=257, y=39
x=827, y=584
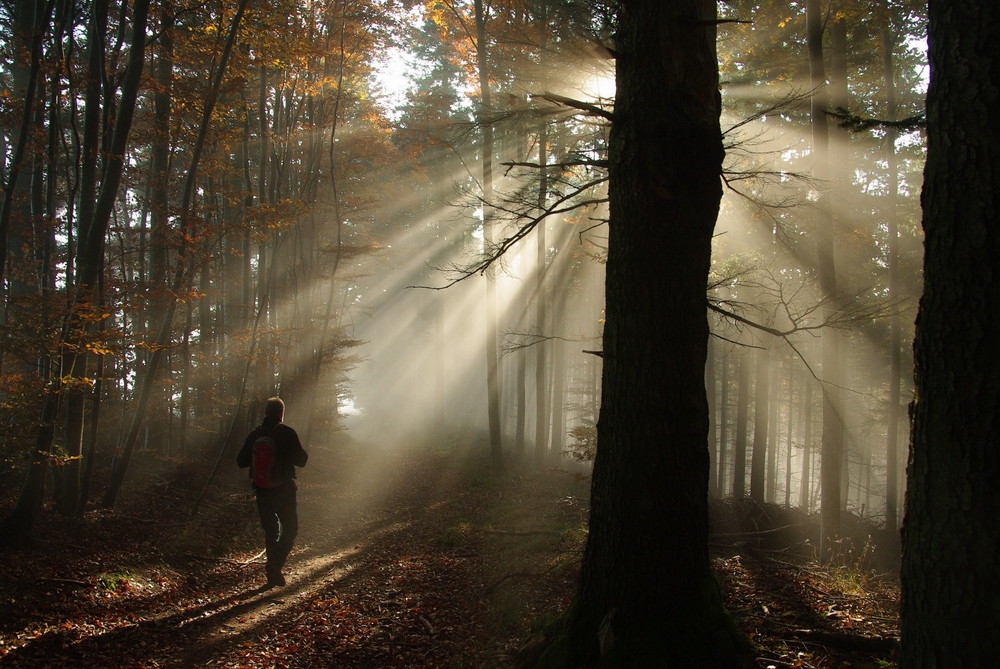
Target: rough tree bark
x=647, y=596
x=950, y=537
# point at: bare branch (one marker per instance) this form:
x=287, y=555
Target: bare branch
x=589, y=109
x=570, y=163
x=500, y=248
x=856, y=123
x=787, y=102
x=519, y=341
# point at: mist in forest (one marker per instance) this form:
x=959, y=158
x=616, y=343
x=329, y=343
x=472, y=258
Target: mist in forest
x=771, y=373
x=350, y=223
x=421, y=375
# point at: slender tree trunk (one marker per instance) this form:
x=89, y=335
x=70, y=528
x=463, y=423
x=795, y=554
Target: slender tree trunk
x=93, y=433
x=542, y=414
x=88, y=196
x=742, y=417
x=807, y=450
x=788, y=435
x=713, y=419
x=559, y=280
x=839, y=273
x=90, y=451
x=895, y=326
x=47, y=259
x=832, y=439
x=492, y=361
x=771, y=482
x=761, y=412
x=558, y=441
x=720, y=485
x=521, y=399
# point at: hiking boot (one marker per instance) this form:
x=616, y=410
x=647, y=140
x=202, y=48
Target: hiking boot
x=274, y=577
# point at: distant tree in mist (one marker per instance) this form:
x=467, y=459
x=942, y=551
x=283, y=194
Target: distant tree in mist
x=539, y=180
x=769, y=227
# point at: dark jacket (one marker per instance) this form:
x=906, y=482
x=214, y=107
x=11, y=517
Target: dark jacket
x=290, y=451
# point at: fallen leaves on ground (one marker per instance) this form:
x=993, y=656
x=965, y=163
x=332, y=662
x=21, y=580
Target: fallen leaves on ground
x=443, y=566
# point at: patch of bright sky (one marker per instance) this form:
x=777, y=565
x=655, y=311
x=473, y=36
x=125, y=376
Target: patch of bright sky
x=601, y=86
x=919, y=44
x=396, y=68
x=395, y=71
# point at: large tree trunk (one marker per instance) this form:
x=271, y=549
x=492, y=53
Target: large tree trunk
x=950, y=538
x=647, y=596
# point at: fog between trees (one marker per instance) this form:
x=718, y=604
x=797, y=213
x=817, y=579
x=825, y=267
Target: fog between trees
x=323, y=226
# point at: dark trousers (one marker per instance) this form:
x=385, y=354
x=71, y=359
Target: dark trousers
x=279, y=519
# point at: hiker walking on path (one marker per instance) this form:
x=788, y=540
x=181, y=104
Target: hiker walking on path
x=272, y=452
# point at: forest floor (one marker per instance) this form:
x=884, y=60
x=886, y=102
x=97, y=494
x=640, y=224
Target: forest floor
x=412, y=559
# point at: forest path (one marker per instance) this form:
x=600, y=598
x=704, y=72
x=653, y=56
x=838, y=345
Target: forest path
x=386, y=572
x=370, y=522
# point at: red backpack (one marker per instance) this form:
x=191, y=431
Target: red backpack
x=265, y=467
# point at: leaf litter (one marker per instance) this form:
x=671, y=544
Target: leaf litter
x=449, y=566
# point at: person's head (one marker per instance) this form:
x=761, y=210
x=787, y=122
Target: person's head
x=274, y=408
